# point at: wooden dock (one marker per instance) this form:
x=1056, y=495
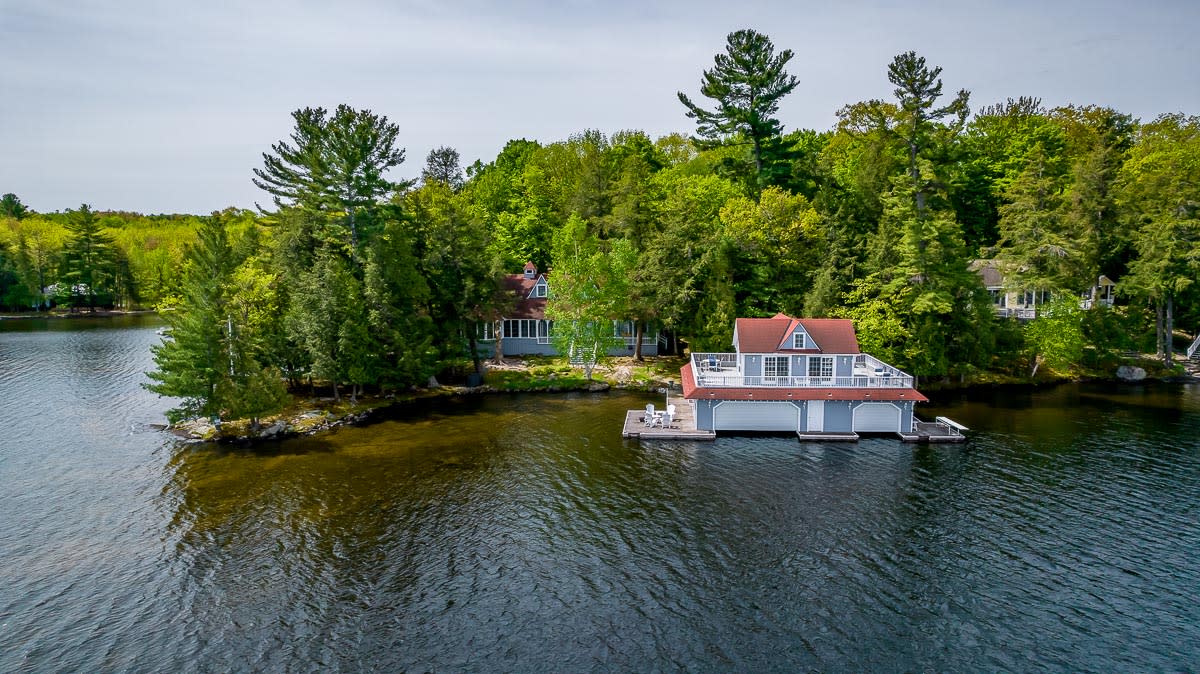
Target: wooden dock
x=683, y=426
x=942, y=430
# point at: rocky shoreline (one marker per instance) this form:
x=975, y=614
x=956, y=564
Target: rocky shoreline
x=310, y=419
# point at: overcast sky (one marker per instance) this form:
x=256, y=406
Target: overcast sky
x=166, y=107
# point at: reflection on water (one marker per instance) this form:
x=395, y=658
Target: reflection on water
x=523, y=534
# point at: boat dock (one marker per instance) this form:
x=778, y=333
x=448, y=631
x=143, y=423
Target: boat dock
x=683, y=426
x=942, y=429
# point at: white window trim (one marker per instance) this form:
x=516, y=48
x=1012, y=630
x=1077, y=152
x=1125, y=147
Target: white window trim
x=825, y=363
x=801, y=337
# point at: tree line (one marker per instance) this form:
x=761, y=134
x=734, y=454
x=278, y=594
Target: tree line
x=354, y=280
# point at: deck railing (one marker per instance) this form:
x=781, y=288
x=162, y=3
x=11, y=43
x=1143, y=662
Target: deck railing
x=721, y=370
x=1194, y=347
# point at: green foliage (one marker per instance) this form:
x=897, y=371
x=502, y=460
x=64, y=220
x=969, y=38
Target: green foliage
x=747, y=83
x=334, y=164
x=91, y=264
x=1056, y=338
x=589, y=292
x=11, y=207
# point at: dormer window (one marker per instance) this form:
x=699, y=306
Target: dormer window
x=798, y=341
x=530, y=270
x=539, y=290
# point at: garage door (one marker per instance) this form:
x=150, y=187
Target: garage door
x=746, y=416
x=876, y=417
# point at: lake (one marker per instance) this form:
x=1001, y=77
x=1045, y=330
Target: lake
x=521, y=533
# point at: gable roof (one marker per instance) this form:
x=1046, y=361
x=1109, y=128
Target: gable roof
x=769, y=335
x=524, y=306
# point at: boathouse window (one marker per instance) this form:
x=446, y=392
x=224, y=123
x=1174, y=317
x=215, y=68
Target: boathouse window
x=775, y=366
x=819, y=366
x=486, y=331
x=798, y=341
x=539, y=290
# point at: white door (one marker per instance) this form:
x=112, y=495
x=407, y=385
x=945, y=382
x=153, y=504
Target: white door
x=748, y=416
x=816, y=416
x=877, y=418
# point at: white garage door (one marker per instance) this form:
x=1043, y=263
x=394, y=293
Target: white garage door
x=876, y=417
x=745, y=416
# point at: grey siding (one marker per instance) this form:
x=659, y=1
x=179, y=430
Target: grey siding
x=843, y=366
x=704, y=414
x=799, y=366
x=525, y=346
x=838, y=418
x=753, y=365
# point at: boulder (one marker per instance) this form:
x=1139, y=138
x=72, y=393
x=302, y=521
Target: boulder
x=1130, y=373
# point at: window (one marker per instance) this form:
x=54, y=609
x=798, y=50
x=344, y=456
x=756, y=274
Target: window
x=798, y=341
x=819, y=366
x=539, y=290
x=775, y=366
x=520, y=327
x=543, y=331
x=486, y=331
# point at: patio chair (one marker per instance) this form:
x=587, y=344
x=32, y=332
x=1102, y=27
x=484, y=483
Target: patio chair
x=666, y=419
x=651, y=417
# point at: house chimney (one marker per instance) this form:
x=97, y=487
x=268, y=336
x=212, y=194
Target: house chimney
x=530, y=270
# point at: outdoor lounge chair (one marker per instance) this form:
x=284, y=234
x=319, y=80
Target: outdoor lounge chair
x=651, y=417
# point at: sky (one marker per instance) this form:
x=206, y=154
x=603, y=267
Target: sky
x=167, y=107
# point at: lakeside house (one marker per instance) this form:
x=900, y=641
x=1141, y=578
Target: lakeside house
x=1011, y=302
x=524, y=330
x=802, y=375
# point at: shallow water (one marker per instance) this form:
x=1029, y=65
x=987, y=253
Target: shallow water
x=523, y=534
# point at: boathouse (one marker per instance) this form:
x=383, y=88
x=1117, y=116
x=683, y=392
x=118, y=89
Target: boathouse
x=802, y=375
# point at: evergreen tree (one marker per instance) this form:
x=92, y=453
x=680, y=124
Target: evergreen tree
x=11, y=207
x=205, y=360
x=747, y=83
x=89, y=258
x=1035, y=245
x=441, y=166
x=334, y=164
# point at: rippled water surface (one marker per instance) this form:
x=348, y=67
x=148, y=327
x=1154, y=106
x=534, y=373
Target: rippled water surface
x=523, y=534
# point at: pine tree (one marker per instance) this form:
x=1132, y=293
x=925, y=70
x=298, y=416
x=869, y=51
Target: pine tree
x=1035, y=246
x=193, y=361
x=747, y=83
x=89, y=257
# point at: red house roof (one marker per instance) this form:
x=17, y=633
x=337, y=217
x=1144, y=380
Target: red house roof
x=768, y=335
x=524, y=306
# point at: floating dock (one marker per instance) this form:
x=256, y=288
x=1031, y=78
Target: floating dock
x=942, y=429
x=683, y=426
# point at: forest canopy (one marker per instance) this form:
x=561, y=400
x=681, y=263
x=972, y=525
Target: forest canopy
x=359, y=281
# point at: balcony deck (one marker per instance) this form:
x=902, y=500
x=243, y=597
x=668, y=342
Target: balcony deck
x=720, y=370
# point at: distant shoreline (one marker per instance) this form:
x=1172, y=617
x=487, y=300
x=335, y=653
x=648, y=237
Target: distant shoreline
x=99, y=313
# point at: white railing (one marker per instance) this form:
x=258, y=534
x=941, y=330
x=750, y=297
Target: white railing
x=1021, y=312
x=721, y=370
x=1194, y=347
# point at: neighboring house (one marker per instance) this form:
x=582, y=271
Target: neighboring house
x=1010, y=302
x=525, y=330
x=803, y=375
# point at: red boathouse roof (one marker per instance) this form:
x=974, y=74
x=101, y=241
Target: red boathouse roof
x=768, y=335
